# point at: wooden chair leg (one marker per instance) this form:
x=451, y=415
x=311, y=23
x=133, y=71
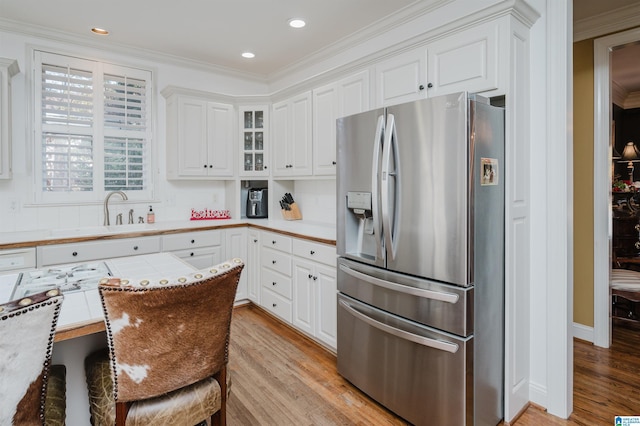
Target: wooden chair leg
x=219, y=418
x=122, y=409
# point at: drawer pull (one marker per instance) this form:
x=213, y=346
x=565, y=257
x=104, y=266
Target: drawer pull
x=75, y=253
x=312, y=252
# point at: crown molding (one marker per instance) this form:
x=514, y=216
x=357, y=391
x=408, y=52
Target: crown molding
x=607, y=23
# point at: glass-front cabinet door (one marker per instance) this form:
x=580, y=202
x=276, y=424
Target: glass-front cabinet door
x=254, y=123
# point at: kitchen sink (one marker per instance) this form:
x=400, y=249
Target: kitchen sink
x=136, y=227
x=74, y=232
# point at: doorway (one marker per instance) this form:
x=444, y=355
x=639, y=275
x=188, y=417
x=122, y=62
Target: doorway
x=602, y=216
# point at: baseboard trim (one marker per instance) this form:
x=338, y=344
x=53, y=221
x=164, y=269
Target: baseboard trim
x=583, y=332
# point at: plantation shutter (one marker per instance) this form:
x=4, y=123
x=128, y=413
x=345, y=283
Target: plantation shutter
x=94, y=128
x=67, y=122
x=125, y=128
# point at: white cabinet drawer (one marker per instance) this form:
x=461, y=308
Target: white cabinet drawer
x=15, y=259
x=96, y=250
x=191, y=240
x=277, y=282
x=277, y=261
x=276, y=241
x=318, y=252
x=276, y=304
x=202, y=257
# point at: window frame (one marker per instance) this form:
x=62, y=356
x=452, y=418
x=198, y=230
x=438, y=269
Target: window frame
x=98, y=68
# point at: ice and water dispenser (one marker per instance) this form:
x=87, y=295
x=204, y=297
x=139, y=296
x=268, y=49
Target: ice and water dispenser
x=361, y=238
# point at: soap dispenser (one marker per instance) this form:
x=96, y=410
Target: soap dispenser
x=151, y=216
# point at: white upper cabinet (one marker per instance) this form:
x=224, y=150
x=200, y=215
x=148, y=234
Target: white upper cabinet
x=466, y=61
x=8, y=68
x=254, y=146
x=401, y=78
x=347, y=96
x=291, y=136
x=462, y=61
x=200, y=138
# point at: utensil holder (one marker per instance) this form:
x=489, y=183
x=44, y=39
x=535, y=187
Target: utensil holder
x=293, y=214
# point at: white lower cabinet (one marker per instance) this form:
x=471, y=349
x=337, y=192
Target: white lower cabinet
x=315, y=290
x=252, y=266
x=200, y=249
x=58, y=254
x=236, y=246
x=275, y=275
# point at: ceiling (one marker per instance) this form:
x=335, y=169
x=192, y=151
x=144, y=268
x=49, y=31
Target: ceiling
x=216, y=32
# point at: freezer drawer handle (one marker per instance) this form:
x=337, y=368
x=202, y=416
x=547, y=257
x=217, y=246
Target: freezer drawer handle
x=428, y=294
x=421, y=340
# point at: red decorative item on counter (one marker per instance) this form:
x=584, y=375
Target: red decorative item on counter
x=207, y=214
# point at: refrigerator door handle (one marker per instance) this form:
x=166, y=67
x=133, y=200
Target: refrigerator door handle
x=421, y=340
x=420, y=292
x=388, y=217
x=375, y=179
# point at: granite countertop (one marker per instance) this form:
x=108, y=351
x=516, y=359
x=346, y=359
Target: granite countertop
x=320, y=232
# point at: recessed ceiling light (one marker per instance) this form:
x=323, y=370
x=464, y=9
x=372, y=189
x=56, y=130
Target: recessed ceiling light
x=296, y=23
x=99, y=31
x=248, y=55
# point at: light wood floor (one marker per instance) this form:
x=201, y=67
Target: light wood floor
x=281, y=378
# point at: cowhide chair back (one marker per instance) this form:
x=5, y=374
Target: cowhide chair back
x=27, y=329
x=168, y=349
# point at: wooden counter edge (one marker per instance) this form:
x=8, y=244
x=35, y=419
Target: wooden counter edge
x=79, y=329
x=34, y=243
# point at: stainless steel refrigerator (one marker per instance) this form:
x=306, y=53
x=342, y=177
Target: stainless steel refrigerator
x=420, y=239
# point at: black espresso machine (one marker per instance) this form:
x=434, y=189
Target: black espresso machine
x=257, y=203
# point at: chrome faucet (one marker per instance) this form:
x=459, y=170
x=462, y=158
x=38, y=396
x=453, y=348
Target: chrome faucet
x=106, y=205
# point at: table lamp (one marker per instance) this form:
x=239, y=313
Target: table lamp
x=630, y=155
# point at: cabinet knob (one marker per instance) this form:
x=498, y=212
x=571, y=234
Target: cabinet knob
x=421, y=87
x=637, y=227
x=265, y=167
x=312, y=252
x=191, y=254
x=193, y=241
x=211, y=166
x=310, y=276
x=255, y=241
x=273, y=241
x=333, y=162
x=273, y=283
x=135, y=247
x=274, y=304
x=205, y=166
x=315, y=278
x=75, y=253
x=429, y=85
x=273, y=262
x=637, y=244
